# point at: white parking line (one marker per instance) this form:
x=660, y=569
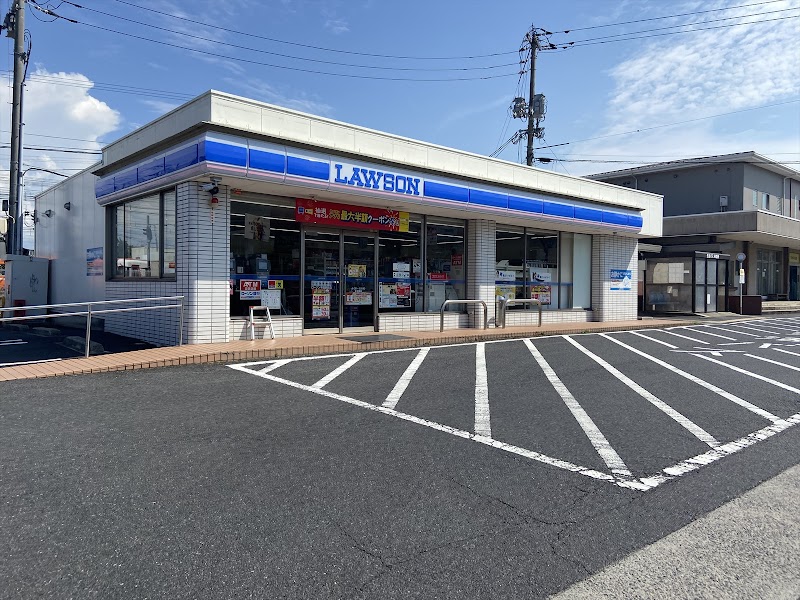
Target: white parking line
x=28, y=362
x=483, y=424
x=750, y=374
x=596, y=437
x=778, y=329
x=647, y=337
x=12, y=342
x=730, y=330
x=787, y=352
x=774, y=362
x=764, y=331
x=686, y=337
x=724, y=337
x=700, y=433
x=709, y=386
x=537, y=456
x=275, y=365
x=400, y=387
x=337, y=371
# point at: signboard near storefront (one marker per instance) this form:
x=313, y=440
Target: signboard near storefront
x=621, y=280
x=541, y=286
x=250, y=289
x=347, y=215
x=794, y=258
x=94, y=262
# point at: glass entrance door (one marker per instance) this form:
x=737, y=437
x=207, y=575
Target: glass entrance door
x=339, y=281
x=322, y=285
x=358, y=273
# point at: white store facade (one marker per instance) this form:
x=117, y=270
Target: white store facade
x=231, y=202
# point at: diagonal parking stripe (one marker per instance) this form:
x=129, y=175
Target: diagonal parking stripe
x=700, y=433
x=596, y=437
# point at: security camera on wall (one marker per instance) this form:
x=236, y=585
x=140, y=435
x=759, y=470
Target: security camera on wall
x=211, y=188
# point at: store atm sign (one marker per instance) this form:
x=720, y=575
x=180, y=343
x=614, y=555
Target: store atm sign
x=360, y=177
x=347, y=215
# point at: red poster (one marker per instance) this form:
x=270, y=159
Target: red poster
x=346, y=215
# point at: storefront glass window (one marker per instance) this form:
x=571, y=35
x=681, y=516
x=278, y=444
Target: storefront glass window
x=445, y=265
x=400, y=269
x=542, y=267
x=265, y=248
x=510, y=260
x=769, y=271
x=142, y=235
x=575, y=285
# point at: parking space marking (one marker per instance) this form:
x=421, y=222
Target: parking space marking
x=647, y=337
x=730, y=330
x=786, y=352
x=701, y=460
x=686, y=337
x=337, y=371
x=709, y=386
x=277, y=364
x=775, y=329
x=28, y=362
x=400, y=387
x=724, y=337
x=483, y=425
x=12, y=342
x=596, y=437
x=750, y=374
x=700, y=433
x=537, y=456
x=774, y=362
x=763, y=331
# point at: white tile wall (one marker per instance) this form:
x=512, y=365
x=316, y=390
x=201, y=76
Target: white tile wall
x=517, y=318
x=423, y=321
x=159, y=327
x=613, y=252
x=481, y=266
x=283, y=326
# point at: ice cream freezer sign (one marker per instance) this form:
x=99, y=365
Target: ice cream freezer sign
x=621, y=280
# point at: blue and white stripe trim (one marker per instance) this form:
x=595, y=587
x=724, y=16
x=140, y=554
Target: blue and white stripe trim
x=265, y=161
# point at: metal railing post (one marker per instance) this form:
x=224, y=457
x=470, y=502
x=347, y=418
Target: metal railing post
x=508, y=303
x=180, y=324
x=88, y=328
x=481, y=302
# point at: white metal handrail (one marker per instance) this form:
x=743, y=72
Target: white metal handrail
x=446, y=302
x=251, y=324
x=88, y=313
x=504, y=304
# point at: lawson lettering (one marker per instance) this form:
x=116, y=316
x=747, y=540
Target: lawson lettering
x=376, y=180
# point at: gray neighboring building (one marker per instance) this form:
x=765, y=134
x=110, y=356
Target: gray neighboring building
x=722, y=205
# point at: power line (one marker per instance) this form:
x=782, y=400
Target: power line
x=284, y=67
x=289, y=56
x=688, y=14
x=642, y=37
x=733, y=112
x=616, y=35
x=312, y=47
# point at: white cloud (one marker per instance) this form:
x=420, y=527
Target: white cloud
x=59, y=112
x=680, y=77
x=161, y=107
x=337, y=26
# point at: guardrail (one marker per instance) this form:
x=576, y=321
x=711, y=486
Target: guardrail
x=251, y=326
x=504, y=304
x=446, y=302
x=89, y=312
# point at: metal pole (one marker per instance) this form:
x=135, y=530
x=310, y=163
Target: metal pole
x=180, y=324
x=15, y=231
x=532, y=92
x=88, y=328
x=741, y=285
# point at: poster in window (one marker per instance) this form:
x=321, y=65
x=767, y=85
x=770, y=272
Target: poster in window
x=250, y=289
x=271, y=298
x=403, y=294
x=620, y=280
x=388, y=296
x=358, y=297
x=256, y=228
x=541, y=288
x=357, y=271
x=321, y=300
x=401, y=270
x=94, y=262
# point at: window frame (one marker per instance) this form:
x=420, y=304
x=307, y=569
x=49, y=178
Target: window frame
x=111, y=238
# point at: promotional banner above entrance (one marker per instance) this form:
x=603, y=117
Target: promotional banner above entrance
x=348, y=215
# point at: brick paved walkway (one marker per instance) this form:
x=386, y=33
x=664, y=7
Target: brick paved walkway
x=302, y=346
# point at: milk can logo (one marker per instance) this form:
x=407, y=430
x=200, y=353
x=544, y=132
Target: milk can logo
x=355, y=176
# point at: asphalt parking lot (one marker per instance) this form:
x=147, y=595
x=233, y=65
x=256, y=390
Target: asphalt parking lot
x=495, y=470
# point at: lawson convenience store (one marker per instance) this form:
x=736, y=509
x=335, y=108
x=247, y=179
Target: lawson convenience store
x=335, y=228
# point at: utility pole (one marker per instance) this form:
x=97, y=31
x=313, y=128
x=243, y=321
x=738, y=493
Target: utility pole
x=534, y=42
x=15, y=24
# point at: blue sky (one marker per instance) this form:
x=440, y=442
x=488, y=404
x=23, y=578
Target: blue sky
x=91, y=85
